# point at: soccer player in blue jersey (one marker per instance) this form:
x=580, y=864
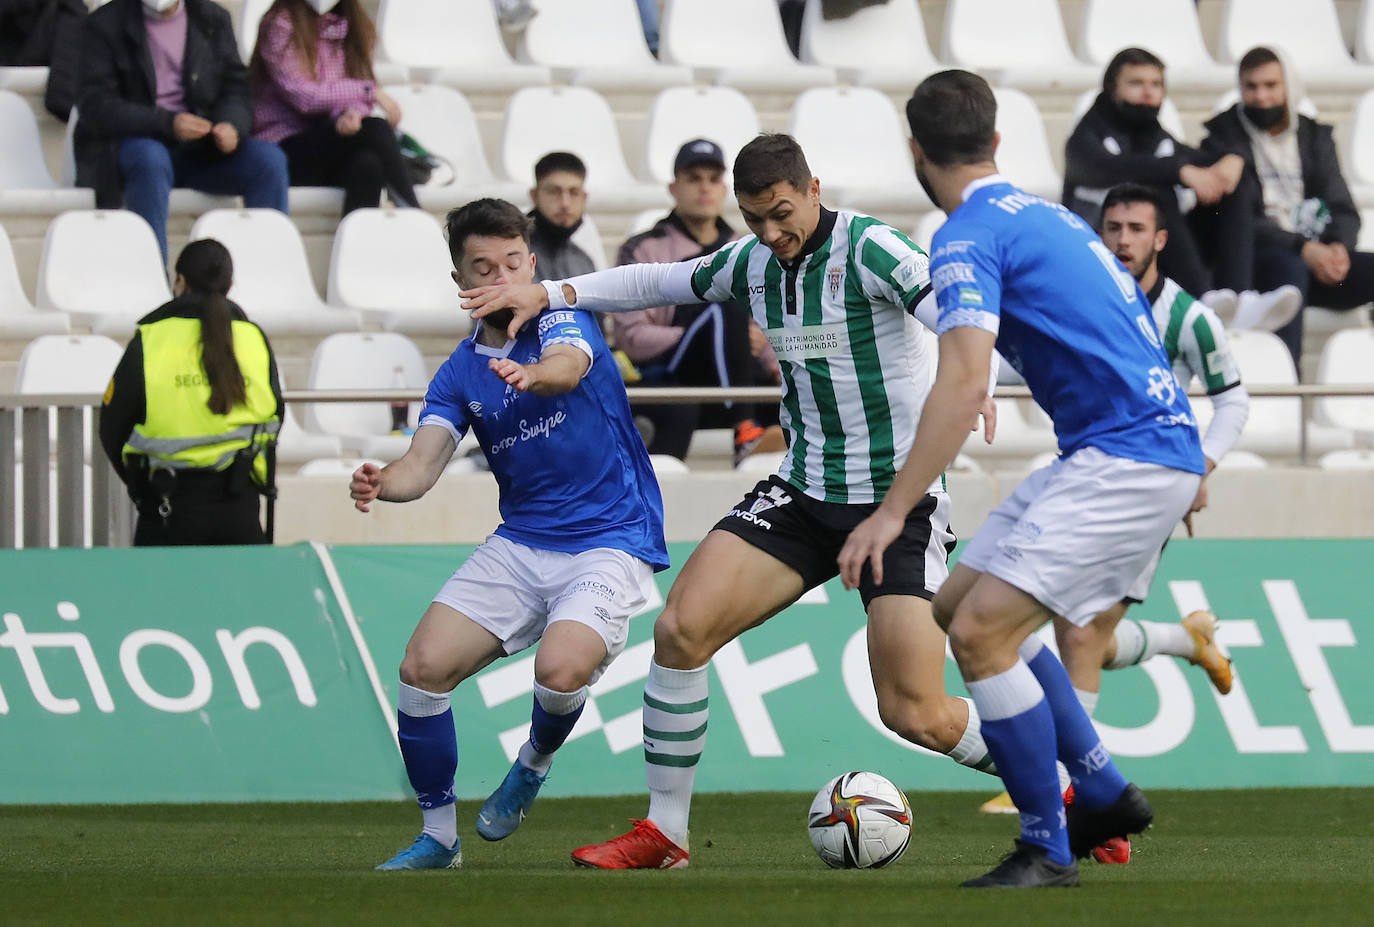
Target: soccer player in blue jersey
x=576, y=547
x=1028, y=277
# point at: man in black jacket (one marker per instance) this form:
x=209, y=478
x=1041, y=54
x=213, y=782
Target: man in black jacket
x=165, y=102
x=1291, y=219
x=45, y=33
x=1119, y=140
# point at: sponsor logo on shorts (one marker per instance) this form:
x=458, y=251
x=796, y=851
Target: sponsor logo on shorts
x=595, y=588
x=774, y=497
x=602, y=613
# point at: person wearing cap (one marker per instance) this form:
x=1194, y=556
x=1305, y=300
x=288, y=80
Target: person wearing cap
x=704, y=344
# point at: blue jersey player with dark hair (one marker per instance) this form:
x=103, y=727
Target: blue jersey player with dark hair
x=1031, y=279
x=572, y=558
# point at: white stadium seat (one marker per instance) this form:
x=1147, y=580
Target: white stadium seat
x=271, y=276
x=598, y=44
x=25, y=184
x=1272, y=428
x=31, y=81
x=18, y=319
x=1171, y=31
x=1354, y=459
x=680, y=114
x=1346, y=359
x=1020, y=434
x=454, y=42
x=334, y=468
x=925, y=230
x=1027, y=49
x=1023, y=156
x=1309, y=33
x=1359, y=164
x=295, y=445
x=1241, y=460
x=855, y=144
x=881, y=46
x=103, y=268
x=588, y=238
x=393, y=266
x=576, y=119
x=750, y=55
x=67, y=364
x=644, y=220
x=441, y=120
x=1364, y=33
x=367, y=361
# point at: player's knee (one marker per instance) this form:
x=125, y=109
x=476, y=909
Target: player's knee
x=422, y=671
x=561, y=677
x=942, y=607
x=679, y=642
x=969, y=638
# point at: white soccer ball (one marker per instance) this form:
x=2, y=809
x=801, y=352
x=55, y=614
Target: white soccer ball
x=859, y=821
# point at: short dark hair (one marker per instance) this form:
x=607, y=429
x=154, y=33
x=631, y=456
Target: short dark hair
x=1127, y=193
x=491, y=217
x=953, y=117
x=769, y=158
x=556, y=161
x=1257, y=57
x=1121, y=59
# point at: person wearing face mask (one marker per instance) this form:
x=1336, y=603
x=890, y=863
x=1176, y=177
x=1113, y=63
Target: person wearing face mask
x=164, y=102
x=1291, y=219
x=1120, y=140
x=190, y=417
x=315, y=95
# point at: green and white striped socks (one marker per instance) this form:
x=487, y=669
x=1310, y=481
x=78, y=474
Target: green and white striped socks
x=675, y=711
x=1137, y=641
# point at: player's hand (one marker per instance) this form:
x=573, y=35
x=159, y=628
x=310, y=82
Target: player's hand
x=989, y=413
x=1230, y=168
x=365, y=486
x=516, y=375
x=188, y=127
x=226, y=137
x=349, y=123
x=866, y=544
x=525, y=300
x=1329, y=263
x=1208, y=184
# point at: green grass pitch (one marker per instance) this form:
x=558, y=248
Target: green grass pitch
x=1253, y=857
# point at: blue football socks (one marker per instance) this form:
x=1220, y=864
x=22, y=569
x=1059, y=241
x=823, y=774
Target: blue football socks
x=429, y=747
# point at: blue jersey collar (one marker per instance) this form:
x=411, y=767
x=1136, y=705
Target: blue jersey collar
x=976, y=185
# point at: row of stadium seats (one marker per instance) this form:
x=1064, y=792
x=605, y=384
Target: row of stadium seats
x=740, y=43
x=387, y=360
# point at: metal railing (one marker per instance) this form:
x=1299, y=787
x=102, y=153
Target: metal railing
x=35, y=459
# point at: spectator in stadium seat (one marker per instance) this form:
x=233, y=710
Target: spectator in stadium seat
x=45, y=33
x=192, y=412
x=1291, y=219
x=704, y=344
x=1119, y=140
x=165, y=102
x=560, y=200
x=315, y=95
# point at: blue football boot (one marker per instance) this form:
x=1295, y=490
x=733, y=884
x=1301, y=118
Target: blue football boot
x=426, y=853
x=509, y=804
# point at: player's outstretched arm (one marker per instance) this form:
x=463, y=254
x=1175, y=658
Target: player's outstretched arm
x=559, y=370
x=616, y=289
x=953, y=406
x=409, y=478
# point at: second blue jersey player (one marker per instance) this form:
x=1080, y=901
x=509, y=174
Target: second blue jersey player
x=572, y=558
x=1027, y=276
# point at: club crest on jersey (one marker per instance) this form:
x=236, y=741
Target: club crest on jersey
x=835, y=278
x=773, y=498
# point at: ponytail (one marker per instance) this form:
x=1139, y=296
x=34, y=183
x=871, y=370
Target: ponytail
x=209, y=272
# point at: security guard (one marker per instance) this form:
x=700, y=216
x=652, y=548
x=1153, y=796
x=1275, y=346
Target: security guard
x=191, y=416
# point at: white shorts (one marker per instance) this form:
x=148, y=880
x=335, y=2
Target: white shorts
x=516, y=591
x=1141, y=587
x=1079, y=533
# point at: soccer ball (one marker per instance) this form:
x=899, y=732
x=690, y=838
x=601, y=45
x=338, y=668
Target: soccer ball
x=859, y=821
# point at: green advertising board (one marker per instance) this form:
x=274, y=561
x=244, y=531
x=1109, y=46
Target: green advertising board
x=159, y=676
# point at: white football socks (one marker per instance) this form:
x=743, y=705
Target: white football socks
x=972, y=750
x=1137, y=641
x=675, y=713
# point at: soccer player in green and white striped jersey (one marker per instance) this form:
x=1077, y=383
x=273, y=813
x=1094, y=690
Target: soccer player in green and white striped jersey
x=832, y=291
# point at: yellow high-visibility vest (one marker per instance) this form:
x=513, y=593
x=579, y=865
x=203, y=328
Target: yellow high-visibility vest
x=179, y=431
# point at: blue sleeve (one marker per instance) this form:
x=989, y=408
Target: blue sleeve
x=568, y=326
x=443, y=405
x=967, y=277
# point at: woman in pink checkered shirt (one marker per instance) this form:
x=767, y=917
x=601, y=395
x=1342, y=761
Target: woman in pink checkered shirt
x=315, y=95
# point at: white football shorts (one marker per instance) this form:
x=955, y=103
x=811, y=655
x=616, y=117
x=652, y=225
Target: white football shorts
x=516, y=591
x=1077, y=534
